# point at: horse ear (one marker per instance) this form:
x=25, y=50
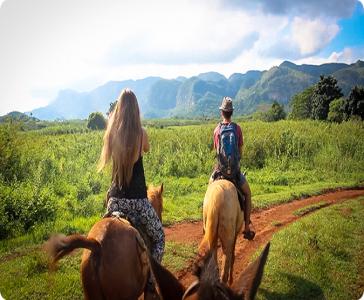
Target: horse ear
x=251, y=278
x=161, y=189
x=209, y=270
x=169, y=286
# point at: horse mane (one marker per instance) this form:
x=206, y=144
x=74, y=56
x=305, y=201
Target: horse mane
x=205, y=268
x=210, y=285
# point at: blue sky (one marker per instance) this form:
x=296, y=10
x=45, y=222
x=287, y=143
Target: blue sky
x=50, y=45
x=351, y=32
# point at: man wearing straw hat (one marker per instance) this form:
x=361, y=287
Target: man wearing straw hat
x=228, y=142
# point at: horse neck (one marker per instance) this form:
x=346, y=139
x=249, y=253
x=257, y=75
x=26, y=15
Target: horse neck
x=157, y=205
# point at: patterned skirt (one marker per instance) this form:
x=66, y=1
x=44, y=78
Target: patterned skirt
x=141, y=214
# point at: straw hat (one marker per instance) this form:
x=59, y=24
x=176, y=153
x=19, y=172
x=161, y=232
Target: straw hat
x=227, y=104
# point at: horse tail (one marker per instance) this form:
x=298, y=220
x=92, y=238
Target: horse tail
x=59, y=246
x=209, y=241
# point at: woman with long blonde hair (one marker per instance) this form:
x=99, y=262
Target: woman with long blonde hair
x=125, y=141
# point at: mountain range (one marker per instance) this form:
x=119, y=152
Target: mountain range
x=201, y=95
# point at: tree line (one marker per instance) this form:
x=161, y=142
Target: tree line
x=321, y=101
x=325, y=101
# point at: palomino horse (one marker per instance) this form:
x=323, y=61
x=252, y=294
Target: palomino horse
x=209, y=286
x=222, y=219
x=115, y=264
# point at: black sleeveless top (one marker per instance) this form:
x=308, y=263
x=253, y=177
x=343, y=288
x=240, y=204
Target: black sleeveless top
x=137, y=188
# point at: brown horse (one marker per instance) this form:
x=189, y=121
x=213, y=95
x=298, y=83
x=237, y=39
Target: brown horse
x=209, y=286
x=115, y=264
x=222, y=219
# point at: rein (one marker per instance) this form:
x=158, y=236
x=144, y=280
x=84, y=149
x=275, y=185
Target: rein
x=191, y=288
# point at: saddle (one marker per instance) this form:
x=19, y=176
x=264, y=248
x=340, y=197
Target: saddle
x=217, y=175
x=123, y=218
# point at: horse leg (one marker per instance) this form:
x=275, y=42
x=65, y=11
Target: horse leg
x=90, y=280
x=232, y=263
x=227, y=259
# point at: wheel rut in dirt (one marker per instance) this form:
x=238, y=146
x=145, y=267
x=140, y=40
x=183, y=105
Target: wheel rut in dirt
x=264, y=222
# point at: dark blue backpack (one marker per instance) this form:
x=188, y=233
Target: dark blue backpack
x=228, y=153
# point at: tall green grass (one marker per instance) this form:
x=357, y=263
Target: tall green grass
x=283, y=160
x=54, y=186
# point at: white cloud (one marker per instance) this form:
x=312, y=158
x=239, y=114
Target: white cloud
x=47, y=45
x=50, y=45
x=312, y=35
x=347, y=55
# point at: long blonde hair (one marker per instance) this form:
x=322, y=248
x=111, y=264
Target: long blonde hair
x=122, y=139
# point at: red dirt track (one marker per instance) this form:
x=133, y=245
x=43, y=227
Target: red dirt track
x=265, y=223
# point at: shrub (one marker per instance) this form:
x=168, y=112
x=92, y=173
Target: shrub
x=10, y=155
x=91, y=206
x=22, y=206
x=95, y=186
x=355, y=103
x=96, y=121
x=83, y=191
x=275, y=113
x=337, y=111
x=301, y=105
x=325, y=91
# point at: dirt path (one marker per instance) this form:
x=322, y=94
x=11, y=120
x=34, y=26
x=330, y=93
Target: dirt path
x=265, y=223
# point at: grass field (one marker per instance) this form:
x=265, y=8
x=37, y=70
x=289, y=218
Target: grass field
x=49, y=183
x=25, y=275
x=48, y=179
x=319, y=256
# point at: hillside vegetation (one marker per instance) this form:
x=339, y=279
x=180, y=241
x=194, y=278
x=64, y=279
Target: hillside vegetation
x=201, y=95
